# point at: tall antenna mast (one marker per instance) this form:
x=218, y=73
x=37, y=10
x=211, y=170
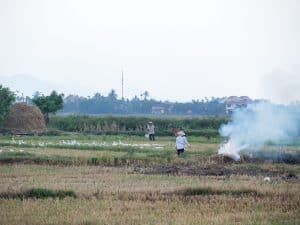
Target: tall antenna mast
x=122, y=85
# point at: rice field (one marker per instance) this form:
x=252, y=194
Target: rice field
x=79, y=179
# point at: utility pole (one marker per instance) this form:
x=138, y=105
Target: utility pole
x=122, y=85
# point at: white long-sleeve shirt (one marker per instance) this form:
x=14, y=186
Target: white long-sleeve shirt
x=181, y=142
x=151, y=129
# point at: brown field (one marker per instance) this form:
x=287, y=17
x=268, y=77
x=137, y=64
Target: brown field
x=191, y=190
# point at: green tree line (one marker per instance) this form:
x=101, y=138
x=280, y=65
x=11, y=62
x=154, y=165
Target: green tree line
x=100, y=104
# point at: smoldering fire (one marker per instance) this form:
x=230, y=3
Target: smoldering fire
x=257, y=125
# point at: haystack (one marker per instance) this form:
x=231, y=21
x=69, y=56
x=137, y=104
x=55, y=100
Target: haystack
x=24, y=119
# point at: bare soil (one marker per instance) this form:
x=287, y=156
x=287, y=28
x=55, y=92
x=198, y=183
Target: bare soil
x=215, y=170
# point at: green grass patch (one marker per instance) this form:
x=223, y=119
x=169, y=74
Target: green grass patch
x=39, y=193
x=210, y=191
x=128, y=159
x=25, y=157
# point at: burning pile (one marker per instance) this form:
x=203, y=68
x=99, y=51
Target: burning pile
x=231, y=150
x=253, y=127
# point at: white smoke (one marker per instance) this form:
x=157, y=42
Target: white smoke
x=258, y=124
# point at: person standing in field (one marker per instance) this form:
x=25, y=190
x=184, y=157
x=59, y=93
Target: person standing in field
x=181, y=142
x=151, y=131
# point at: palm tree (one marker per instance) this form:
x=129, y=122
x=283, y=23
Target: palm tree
x=112, y=95
x=145, y=94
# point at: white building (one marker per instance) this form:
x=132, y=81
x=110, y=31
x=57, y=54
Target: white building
x=235, y=102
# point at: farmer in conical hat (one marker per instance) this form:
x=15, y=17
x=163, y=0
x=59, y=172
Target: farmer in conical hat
x=181, y=142
x=151, y=131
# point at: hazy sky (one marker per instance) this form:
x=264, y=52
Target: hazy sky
x=176, y=50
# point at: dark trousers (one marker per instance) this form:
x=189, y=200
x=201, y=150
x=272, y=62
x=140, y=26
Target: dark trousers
x=151, y=137
x=180, y=151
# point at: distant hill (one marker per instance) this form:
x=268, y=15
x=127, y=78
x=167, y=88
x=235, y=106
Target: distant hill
x=26, y=84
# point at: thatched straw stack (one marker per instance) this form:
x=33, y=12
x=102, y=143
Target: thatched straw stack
x=24, y=119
